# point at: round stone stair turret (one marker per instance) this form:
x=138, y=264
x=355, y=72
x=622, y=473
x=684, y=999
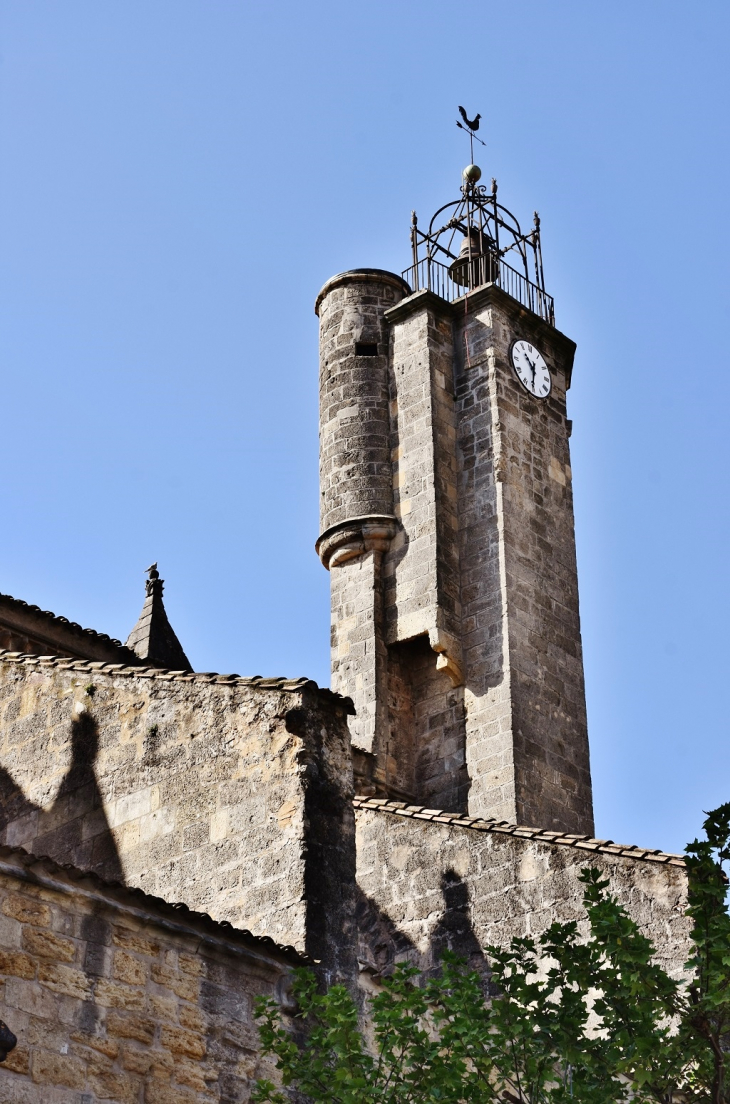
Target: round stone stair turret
x=356, y=480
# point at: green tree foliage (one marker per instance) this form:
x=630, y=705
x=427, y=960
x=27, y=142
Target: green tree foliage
x=582, y=1020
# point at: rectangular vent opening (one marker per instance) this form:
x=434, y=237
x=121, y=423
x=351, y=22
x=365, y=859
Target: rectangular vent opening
x=363, y=349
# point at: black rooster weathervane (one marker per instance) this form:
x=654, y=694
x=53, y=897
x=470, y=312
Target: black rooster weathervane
x=470, y=126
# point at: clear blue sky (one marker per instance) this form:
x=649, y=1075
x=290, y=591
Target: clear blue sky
x=177, y=180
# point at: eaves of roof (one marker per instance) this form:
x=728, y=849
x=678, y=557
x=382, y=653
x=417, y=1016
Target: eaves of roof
x=161, y=674
x=22, y=617
x=503, y=827
x=15, y=861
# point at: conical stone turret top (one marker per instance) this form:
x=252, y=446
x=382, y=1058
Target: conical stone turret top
x=153, y=638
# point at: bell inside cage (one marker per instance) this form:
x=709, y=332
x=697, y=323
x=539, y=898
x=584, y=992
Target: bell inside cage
x=477, y=262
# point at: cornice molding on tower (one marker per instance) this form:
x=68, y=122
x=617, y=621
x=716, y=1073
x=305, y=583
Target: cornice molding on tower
x=360, y=276
x=486, y=296
x=492, y=295
x=351, y=538
x=418, y=301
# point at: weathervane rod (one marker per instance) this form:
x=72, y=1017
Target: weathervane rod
x=471, y=126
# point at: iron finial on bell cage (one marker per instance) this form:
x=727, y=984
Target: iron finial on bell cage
x=474, y=241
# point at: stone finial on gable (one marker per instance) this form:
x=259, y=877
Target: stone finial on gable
x=153, y=637
x=154, y=583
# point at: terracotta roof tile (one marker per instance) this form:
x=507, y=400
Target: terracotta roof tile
x=137, y=897
x=72, y=627
x=115, y=669
x=503, y=827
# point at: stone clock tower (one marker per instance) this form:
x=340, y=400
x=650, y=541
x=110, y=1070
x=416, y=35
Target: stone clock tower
x=447, y=523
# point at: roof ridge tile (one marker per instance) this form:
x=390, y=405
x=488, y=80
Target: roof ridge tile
x=28, y=860
x=51, y=616
x=520, y=831
x=66, y=663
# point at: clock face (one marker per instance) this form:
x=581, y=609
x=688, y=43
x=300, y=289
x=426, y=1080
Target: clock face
x=531, y=369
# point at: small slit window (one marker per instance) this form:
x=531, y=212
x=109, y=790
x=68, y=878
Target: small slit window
x=362, y=348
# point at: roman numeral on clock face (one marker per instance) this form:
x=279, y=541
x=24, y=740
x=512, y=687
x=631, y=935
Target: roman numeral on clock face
x=531, y=368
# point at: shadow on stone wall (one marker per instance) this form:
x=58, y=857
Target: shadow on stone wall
x=329, y=852
x=381, y=943
x=454, y=931
x=74, y=829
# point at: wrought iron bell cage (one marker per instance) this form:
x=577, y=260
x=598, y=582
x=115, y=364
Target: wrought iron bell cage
x=488, y=234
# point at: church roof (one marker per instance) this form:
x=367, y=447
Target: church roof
x=113, y=670
x=35, y=628
x=153, y=638
x=37, y=868
x=503, y=827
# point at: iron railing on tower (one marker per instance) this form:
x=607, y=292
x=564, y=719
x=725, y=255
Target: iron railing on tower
x=488, y=233
x=480, y=270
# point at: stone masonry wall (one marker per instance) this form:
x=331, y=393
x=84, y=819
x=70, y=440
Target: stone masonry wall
x=429, y=883
x=421, y=569
x=527, y=742
x=355, y=474
x=422, y=566
x=229, y=794
x=356, y=489
x=425, y=751
x=118, y=997
x=357, y=647
x=478, y=554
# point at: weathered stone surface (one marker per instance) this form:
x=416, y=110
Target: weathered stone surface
x=526, y=731
x=355, y=474
x=228, y=795
x=458, y=637
x=448, y=532
x=153, y=638
x=427, y=886
x=77, y=1045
